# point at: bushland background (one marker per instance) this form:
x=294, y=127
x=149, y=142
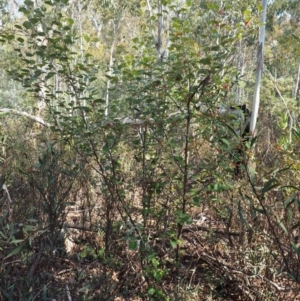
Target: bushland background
x=115, y=185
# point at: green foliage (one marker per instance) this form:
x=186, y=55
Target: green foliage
x=127, y=175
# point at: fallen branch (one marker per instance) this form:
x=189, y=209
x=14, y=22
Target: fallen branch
x=21, y=113
x=134, y=122
x=208, y=229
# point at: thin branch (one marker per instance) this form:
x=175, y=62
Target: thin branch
x=285, y=104
x=279, y=93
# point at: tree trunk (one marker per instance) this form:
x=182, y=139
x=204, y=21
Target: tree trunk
x=260, y=60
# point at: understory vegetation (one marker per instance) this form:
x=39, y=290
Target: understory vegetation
x=124, y=171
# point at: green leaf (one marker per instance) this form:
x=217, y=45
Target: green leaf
x=183, y=218
x=16, y=241
x=217, y=187
x=282, y=226
x=133, y=244
x=70, y=21
x=32, y=220
x=10, y=37
x=227, y=6
x=215, y=48
x=15, y=251
x=295, y=247
x=29, y=3
x=178, y=159
x=86, y=38
x=290, y=215
x=27, y=24
x=174, y=243
x=165, y=2
x=28, y=228
x=272, y=183
x=246, y=13
x=225, y=141
x=206, y=61
x=290, y=200
x=252, y=171
x=151, y=291
x=212, y=6
x=33, y=20
x=196, y=201
x=252, y=142
x=158, y=274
